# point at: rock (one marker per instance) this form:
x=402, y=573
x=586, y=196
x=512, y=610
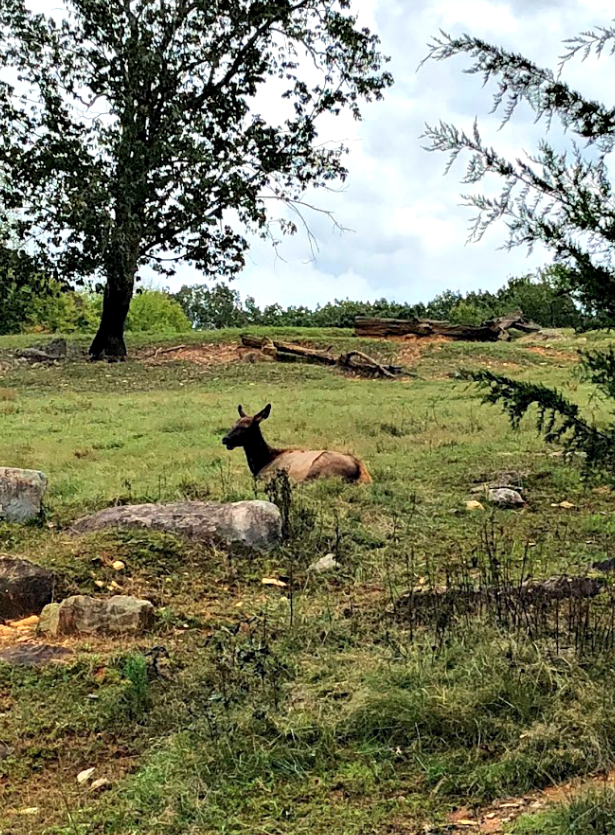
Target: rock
x=56, y=348
x=87, y=615
x=255, y=524
x=100, y=785
x=505, y=497
x=52, y=351
x=34, y=655
x=21, y=494
x=25, y=588
x=118, y=565
x=85, y=776
x=327, y=563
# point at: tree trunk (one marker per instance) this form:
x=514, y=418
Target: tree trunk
x=109, y=341
x=121, y=269
x=490, y=331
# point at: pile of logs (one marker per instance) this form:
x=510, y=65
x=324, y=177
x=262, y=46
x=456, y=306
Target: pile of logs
x=492, y=330
x=355, y=361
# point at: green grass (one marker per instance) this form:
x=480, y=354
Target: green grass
x=592, y=813
x=338, y=720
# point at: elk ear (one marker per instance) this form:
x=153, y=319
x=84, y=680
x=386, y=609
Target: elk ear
x=264, y=413
x=241, y=411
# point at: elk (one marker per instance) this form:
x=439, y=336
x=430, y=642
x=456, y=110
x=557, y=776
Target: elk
x=300, y=465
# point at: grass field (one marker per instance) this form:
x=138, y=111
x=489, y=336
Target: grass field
x=313, y=708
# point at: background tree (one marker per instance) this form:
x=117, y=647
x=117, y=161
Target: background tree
x=211, y=308
x=563, y=200
x=22, y=285
x=134, y=138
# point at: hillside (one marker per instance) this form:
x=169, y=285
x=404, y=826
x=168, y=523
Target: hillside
x=313, y=705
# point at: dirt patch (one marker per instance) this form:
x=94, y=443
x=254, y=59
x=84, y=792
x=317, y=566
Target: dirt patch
x=500, y=814
x=554, y=354
x=207, y=355
x=413, y=347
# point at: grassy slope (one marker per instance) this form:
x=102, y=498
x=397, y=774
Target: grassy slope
x=336, y=722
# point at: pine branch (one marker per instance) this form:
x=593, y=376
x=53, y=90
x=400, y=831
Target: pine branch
x=558, y=419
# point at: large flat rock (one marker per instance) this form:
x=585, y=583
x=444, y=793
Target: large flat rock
x=21, y=494
x=255, y=524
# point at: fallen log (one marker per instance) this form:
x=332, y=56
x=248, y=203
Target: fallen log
x=468, y=599
x=493, y=330
x=355, y=361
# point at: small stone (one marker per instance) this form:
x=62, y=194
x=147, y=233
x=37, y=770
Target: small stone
x=100, y=785
x=327, y=563
x=25, y=623
x=118, y=565
x=505, y=497
x=272, y=581
x=85, y=776
x=474, y=505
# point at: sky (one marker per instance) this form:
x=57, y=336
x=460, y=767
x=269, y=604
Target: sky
x=409, y=238
x=409, y=229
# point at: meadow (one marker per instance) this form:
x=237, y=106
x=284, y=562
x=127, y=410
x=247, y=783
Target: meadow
x=314, y=707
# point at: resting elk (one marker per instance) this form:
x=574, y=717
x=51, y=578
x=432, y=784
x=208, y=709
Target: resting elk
x=301, y=465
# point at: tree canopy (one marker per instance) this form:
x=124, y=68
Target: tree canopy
x=130, y=131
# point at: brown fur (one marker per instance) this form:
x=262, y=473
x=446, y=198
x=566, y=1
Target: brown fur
x=301, y=465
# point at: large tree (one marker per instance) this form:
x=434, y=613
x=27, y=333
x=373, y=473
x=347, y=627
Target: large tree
x=130, y=131
x=562, y=199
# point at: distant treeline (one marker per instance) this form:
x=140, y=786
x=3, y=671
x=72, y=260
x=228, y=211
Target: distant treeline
x=542, y=297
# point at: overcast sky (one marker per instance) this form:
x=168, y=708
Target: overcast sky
x=409, y=228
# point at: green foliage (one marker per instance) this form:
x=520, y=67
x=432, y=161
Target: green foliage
x=539, y=297
x=21, y=286
x=592, y=813
x=61, y=311
x=559, y=419
x=467, y=312
x=156, y=311
x=209, y=309
x=561, y=200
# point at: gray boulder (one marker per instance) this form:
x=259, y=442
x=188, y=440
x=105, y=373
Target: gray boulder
x=255, y=524
x=25, y=588
x=78, y=615
x=21, y=494
x=327, y=563
x=505, y=497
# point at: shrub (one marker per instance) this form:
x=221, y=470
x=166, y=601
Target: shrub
x=156, y=311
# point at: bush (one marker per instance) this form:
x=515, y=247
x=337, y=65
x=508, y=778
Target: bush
x=156, y=311
x=64, y=311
